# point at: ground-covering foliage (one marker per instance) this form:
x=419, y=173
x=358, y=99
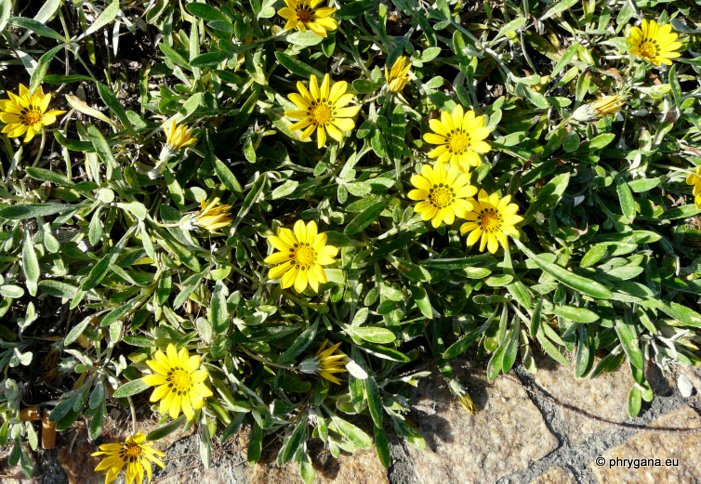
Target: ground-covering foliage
x=274, y=215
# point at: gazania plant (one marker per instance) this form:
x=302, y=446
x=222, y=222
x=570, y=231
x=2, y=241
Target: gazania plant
x=268, y=221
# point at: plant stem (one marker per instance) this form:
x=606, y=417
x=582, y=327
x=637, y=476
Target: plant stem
x=41, y=148
x=133, y=415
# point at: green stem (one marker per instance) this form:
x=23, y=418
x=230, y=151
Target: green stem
x=133, y=415
x=41, y=148
x=265, y=361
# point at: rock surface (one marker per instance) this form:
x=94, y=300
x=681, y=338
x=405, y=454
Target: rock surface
x=556, y=475
x=506, y=434
x=603, y=397
x=661, y=457
x=361, y=467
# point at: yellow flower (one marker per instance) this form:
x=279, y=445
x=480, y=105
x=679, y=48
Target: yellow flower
x=694, y=179
x=398, y=75
x=178, y=137
x=460, y=137
x=654, y=43
x=490, y=221
x=323, y=108
x=137, y=456
x=302, y=254
x=179, y=382
x=442, y=194
x=325, y=363
x=212, y=217
x=601, y=107
x=27, y=113
x=304, y=14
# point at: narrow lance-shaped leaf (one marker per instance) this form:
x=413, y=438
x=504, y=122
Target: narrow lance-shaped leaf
x=583, y=284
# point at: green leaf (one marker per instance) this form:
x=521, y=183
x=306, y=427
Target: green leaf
x=32, y=210
x=583, y=284
x=30, y=264
x=629, y=340
x=305, y=39
x=77, y=330
x=625, y=197
x=585, y=357
x=106, y=17
x=350, y=432
x=634, y=402
x=48, y=175
x=361, y=221
x=430, y=53
x=372, y=395
x=5, y=13
x=372, y=334
x=58, y=288
x=100, y=270
x=686, y=316
x=511, y=346
x=685, y=211
x=226, y=176
x=42, y=66
x=137, y=209
x=600, y=141
x=296, y=66
x=206, y=12
x=11, y=291
x=251, y=198
x=535, y=319
x=103, y=149
x=97, y=396
x=292, y=442
x=299, y=345
x=351, y=10
x=551, y=349
x=210, y=59
x=130, y=388
x=37, y=27
x=64, y=408
x=115, y=105
x=594, y=255
x=166, y=429
x=515, y=24
x=549, y=195
x=255, y=443
x=382, y=447
x=189, y=286
x=558, y=8
x=578, y=315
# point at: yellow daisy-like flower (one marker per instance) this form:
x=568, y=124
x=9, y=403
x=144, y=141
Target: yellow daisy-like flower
x=694, y=179
x=460, y=136
x=302, y=254
x=178, y=137
x=490, y=221
x=134, y=453
x=323, y=109
x=179, y=382
x=325, y=363
x=305, y=14
x=601, y=107
x=27, y=113
x=213, y=216
x=398, y=75
x=608, y=105
x=442, y=193
x=655, y=43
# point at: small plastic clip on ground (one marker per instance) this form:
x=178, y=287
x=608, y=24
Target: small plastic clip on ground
x=48, y=431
